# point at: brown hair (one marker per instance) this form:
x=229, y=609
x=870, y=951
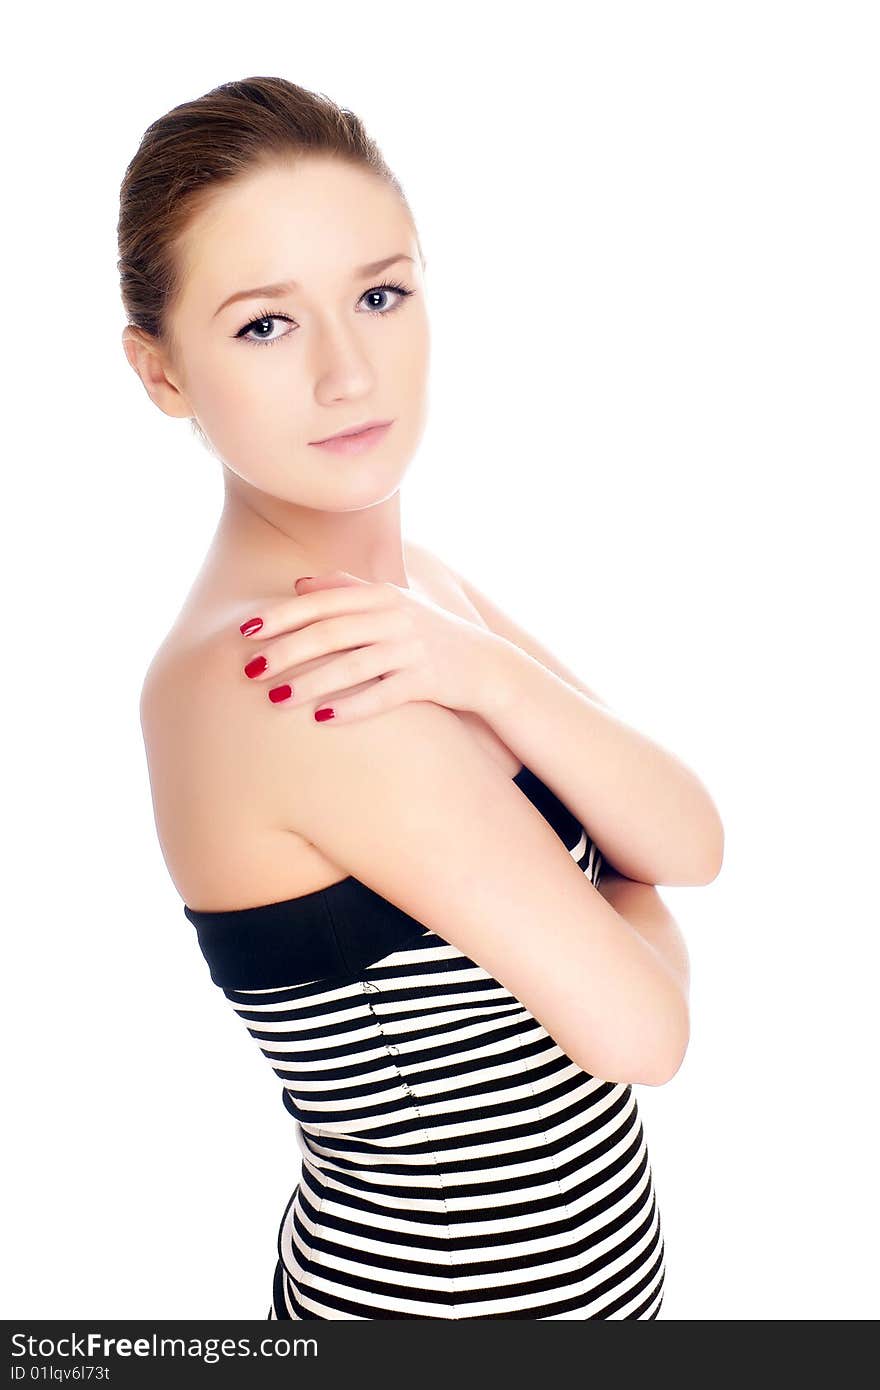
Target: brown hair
x=185, y=156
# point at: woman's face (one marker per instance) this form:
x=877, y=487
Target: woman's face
x=268, y=371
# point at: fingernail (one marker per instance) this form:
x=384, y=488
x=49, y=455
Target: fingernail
x=325, y=713
x=280, y=692
x=252, y=625
x=256, y=667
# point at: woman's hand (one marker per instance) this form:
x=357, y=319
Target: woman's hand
x=409, y=647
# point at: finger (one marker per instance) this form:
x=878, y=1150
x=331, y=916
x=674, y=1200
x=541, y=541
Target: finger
x=330, y=579
x=385, y=694
x=287, y=616
x=324, y=638
x=344, y=673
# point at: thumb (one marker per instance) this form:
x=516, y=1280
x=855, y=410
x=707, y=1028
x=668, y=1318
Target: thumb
x=330, y=579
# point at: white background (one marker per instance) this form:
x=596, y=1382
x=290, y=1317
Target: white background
x=652, y=235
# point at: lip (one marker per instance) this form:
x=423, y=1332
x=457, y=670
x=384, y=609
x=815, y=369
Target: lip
x=355, y=429
x=356, y=442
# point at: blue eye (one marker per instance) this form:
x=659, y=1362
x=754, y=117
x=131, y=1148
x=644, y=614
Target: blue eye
x=266, y=318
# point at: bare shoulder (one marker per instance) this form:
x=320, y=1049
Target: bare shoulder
x=192, y=717
x=212, y=755
x=218, y=754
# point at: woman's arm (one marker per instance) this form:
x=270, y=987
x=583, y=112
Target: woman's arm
x=649, y=813
x=642, y=906
x=409, y=804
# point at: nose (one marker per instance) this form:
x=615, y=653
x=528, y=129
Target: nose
x=340, y=362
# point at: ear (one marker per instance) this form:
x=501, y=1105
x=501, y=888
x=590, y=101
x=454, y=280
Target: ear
x=146, y=359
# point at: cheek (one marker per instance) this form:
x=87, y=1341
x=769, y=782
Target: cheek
x=412, y=356
x=234, y=416
x=408, y=382
x=237, y=395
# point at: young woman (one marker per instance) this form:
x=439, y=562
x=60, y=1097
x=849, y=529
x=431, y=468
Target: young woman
x=392, y=814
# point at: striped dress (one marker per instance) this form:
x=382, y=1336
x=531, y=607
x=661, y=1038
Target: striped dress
x=456, y=1163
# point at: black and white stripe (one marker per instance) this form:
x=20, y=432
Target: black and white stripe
x=456, y=1163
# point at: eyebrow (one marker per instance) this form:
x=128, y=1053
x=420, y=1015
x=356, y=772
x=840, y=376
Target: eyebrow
x=285, y=286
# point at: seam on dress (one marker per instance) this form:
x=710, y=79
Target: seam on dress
x=369, y=988
x=537, y=1105
x=309, y=1280
x=331, y=920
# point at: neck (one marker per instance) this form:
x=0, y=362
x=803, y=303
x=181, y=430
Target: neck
x=263, y=544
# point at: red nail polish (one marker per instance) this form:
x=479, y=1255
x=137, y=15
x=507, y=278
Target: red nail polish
x=252, y=625
x=325, y=713
x=280, y=692
x=256, y=667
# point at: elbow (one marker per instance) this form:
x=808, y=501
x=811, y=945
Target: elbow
x=712, y=867
x=699, y=871
x=654, y=1074
x=670, y=1050
x=696, y=870
x=701, y=863
x=659, y=1076
x=713, y=857
x=648, y=1056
